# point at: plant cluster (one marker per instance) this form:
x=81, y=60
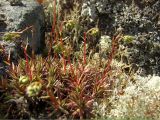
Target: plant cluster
x=63, y=82
x=66, y=87
x=74, y=77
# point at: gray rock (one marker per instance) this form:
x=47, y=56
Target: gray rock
x=139, y=18
x=17, y=15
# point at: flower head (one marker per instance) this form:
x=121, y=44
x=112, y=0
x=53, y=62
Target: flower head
x=33, y=89
x=93, y=31
x=23, y=79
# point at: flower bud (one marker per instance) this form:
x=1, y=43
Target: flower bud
x=33, y=89
x=23, y=79
x=128, y=38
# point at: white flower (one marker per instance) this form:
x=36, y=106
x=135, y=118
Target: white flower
x=33, y=89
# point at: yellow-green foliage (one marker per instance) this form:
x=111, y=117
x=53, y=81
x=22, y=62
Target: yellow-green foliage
x=1, y=50
x=70, y=24
x=23, y=79
x=11, y=36
x=128, y=38
x=93, y=31
x=58, y=48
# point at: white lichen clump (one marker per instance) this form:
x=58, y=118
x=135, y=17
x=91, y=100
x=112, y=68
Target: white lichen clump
x=105, y=43
x=141, y=99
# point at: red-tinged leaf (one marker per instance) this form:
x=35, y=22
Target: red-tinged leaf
x=72, y=104
x=53, y=99
x=3, y=83
x=90, y=103
x=40, y=1
x=6, y=62
x=28, y=70
x=84, y=51
x=76, y=113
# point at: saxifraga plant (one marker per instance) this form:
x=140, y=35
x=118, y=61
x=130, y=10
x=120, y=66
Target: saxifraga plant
x=57, y=85
x=70, y=92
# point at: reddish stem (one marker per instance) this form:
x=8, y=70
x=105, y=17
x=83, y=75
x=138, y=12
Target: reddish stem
x=54, y=18
x=53, y=28
x=28, y=70
x=64, y=60
x=111, y=55
x=63, y=56
x=113, y=51
x=71, y=67
x=61, y=28
x=84, y=50
x=55, y=40
x=53, y=99
x=54, y=21
x=74, y=78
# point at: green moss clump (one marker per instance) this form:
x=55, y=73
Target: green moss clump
x=11, y=36
x=93, y=32
x=128, y=38
x=70, y=24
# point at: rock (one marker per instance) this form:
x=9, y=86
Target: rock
x=25, y=17
x=3, y=25
x=16, y=3
x=17, y=15
x=140, y=19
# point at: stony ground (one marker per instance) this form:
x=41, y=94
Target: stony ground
x=138, y=18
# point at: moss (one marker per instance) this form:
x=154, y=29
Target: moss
x=128, y=38
x=58, y=48
x=70, y=24
x=93, y=32
x=11, y=36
